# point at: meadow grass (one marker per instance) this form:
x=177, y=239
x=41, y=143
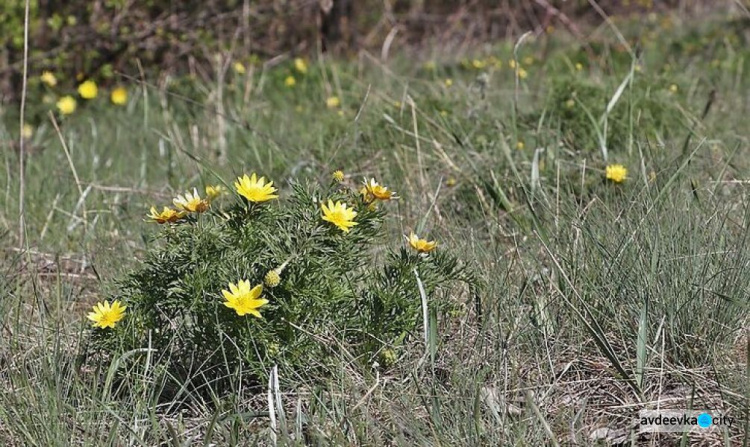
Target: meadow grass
x=597, y=298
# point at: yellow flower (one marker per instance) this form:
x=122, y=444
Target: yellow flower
x=448, y=82
x=239, y=68
x=272, y=278
x=166, y=215
x=339, y=215
x=616, y=173
x=522, y=73
x=528, y=60
x=333, y=102
x=27, y=131
x=512, y=63
x=244, y=300
x=389, y=357
x=478, y=64
x=338, y=176
x=119, y=96
x=450, y=182
x=106, y=316
x=290, y=81
x=66, y=105
x=579, y=66
x=421, y=245
x=254, y=189
x=88, y=90
x=48, y=78
x=215, y=191
x=430, y=66
x=570, y=103
x=300, y=65
x=673, y=88
x=520, y=145
x=191, y=202
x=373, y=190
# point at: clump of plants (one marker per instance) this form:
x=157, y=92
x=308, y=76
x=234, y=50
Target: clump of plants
x=578, y=106
x=248, y=277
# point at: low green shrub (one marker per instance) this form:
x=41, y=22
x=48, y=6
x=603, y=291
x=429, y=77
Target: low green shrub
x=322, y=289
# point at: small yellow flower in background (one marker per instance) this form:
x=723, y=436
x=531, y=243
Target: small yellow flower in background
x=616, y=173
x=450, y=182
x=300, y=65
x=512, y=63
x=372, y=190
x=421, y=245
x=673, y=88
x=443, y=113
x=520, y=145
x=430, y=66
x=214, y=191
x=88, y=90
x=338, y=176
x=191, y=202
x=106, y=316
x=27, y=131
x=243, y=299
x=570, y=103
x=528, y=60
x=579, y=66
x=638, y=68
x=448, y=82
x=119, y=96
x=167, y=215
x=290, y=81
x=333, y=102
x=550, y=29
x=254, y=189
x=339, y=215
x=389, y=357
x=66, y=105
x=239, y=68
x=272, y=278
x=522, y=73
x=48, y=78
x=397, y=104
x=478, y=64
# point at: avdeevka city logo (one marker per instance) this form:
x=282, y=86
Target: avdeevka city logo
x=705, y=420
x=651, y=421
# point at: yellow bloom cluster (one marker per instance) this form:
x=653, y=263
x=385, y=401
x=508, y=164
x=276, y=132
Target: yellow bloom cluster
x=240, y=296
x=88, y=90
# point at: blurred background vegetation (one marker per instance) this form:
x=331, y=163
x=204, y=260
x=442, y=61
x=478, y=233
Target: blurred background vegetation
x=98, y=39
